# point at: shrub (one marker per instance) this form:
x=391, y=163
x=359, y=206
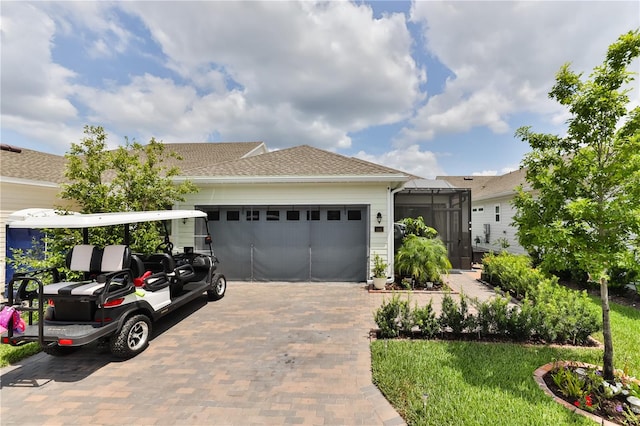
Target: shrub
x=418, y=228
x=424, y=259
x=520, y=322
x=425, y=319
x=563, y=315
x=494, y=316
x=393, y=317
x=511, y=272
x=456, y=316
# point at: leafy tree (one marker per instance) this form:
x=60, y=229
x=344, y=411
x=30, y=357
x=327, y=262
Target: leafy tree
x=585, y=209
x=133, y=177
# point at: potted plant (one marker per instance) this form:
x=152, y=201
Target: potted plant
x=379, y=273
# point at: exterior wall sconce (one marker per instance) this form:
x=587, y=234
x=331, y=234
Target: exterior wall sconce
x=379, y=217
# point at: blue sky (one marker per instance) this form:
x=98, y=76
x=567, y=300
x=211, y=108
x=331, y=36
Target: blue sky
x=432, y=88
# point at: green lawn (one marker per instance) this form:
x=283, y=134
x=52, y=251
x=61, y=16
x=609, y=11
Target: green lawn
x=487, y=383
x=10, y=354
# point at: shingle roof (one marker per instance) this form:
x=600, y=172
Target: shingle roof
x=40, y=166
x=196, y=155
x=483, y=187
x=301, y=160
x=31, y=165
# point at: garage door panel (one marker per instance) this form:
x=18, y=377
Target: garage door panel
x=338, y=249
x=281, y=250
x=316, y=244
x=232, y=246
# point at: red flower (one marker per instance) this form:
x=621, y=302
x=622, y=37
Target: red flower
x=588, y=400
x=576, y=403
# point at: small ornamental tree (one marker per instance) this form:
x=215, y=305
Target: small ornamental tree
x=133, y=177
x=584, y=210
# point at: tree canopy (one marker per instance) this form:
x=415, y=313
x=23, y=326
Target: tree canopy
x=133, y=177
x=584, y=207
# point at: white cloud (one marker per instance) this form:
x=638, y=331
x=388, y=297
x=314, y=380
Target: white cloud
x=410, y=159
x=307, y=72
x=505, y=56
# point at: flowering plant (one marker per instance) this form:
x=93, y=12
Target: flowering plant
x=585, y=388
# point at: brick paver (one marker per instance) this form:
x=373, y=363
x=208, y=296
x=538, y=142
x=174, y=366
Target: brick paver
x=267, y=353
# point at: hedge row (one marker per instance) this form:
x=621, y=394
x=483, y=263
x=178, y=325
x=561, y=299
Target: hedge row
x=512, y=273
x=560, y=315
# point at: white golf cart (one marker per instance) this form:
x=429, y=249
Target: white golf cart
x=121, y=293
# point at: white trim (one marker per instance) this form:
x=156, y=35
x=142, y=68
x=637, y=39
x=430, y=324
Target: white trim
x=261, y=147
x=290, y=179
x=21, y=181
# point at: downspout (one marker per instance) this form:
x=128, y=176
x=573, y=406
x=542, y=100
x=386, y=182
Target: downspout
x=390, y=234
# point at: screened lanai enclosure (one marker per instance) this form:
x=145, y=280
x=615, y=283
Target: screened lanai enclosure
x=443, y=207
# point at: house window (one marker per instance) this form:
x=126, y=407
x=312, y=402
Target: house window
x=474, y=210
x=497, y=212
x=233, y=215
x=293, y=215
x=273, y=215
x=333, y=214
x=253, y=215
x=480, y=209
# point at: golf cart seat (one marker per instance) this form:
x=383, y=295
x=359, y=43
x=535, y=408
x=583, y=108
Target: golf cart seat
x=92, y=261
x=84, y=258
x=159, y=262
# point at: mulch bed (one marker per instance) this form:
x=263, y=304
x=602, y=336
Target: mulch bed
x=397, y=288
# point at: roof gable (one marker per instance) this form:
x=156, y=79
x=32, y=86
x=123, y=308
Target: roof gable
x=195, y=155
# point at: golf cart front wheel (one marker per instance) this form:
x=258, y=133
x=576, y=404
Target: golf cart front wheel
x=218, y=287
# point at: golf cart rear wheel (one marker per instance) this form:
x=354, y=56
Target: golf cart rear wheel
x=133, y=338
x=219, y=287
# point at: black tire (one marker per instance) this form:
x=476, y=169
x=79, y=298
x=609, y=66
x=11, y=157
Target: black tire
x=133, y=338
x=218, y=287
x=56, y=350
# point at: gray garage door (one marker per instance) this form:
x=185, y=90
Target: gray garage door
x=302, y=243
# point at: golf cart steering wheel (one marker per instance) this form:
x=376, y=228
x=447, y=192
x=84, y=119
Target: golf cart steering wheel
x=166, y=247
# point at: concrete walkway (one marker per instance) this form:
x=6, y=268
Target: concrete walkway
x=268, y=353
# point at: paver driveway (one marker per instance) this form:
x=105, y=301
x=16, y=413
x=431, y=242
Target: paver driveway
x=265, y=354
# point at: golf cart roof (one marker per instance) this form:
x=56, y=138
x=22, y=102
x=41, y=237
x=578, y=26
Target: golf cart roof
x=50, y=218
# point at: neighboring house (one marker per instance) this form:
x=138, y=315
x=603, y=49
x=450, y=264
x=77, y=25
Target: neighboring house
x=492, y=210
x=27, y=179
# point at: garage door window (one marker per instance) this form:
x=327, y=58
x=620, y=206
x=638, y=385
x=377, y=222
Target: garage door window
x=313, y=214
x=354, y=215
x=253, y=215
x=233, y=215
x=213, y=215
x=293, y=215
x=273, y=215
x=333, y=214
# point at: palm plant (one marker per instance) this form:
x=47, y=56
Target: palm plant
x=424, y=259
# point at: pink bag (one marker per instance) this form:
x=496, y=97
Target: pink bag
x=7, y=313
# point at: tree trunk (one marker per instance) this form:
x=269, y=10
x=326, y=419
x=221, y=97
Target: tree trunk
x=607, y=360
